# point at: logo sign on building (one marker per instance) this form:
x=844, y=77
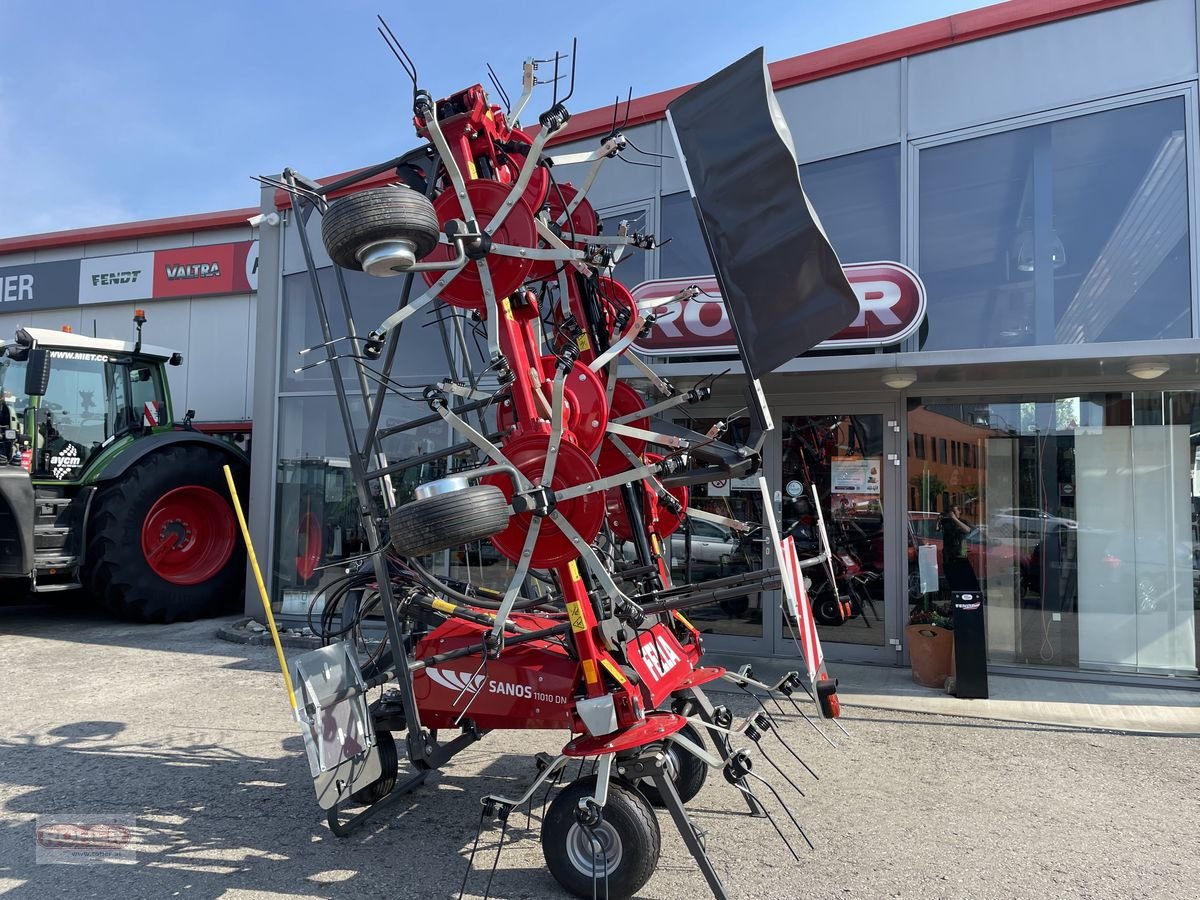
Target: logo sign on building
x=891, y=301
x=152, y=275
x=199, y=271
x=39, y=285
x=111, y=279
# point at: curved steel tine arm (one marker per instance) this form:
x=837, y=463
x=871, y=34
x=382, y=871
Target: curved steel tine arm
x=620, y=346
x=564, y=296
x=713, y=762
x=556, y=242
x=448, y=160
x=549, y=772
x=588, y=555
x=522, y=182
x=603, y=484
x=609, y=240
x=489, y=449
x=637, y=463
x=493, y=310
x=784, y=806
x=551, y=254
x=405, y=311
x=452, y=265
x=654, y=437
x=518, y=579
x=527, y=82
x=617, y=142
x=756, y=802
x=461, y=390
x=603, y=775
x=557, y=425
x=688, y=293
x=640, y=364
x=735, y=524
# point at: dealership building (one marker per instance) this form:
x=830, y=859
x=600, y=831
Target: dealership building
x=1033, y=163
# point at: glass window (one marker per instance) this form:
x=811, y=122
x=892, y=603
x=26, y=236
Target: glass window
x=372, y=300
x=1075, y=231
x=857, y=197
x=631, y=269
x=1079, y=524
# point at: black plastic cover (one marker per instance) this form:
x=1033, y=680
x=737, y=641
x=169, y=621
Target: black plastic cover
x=16, y=522
x=784, y=288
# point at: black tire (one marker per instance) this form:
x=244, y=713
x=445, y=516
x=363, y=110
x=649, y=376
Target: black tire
x=116, y=571
x=628, y=832
x=687, y=771
x=826, y=610
x=379, y=214
x=383, y=785
x=448, y=520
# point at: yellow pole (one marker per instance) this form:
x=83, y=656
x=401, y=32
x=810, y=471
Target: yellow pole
x=262, y=588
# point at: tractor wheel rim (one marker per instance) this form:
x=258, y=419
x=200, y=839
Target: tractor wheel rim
x=589, y=852
x=188, y=535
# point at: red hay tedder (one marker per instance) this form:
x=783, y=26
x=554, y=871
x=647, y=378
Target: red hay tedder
x=558, y=460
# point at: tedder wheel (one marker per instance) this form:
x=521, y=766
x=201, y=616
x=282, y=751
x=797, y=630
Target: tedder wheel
x=381, y=786
x=685, y=770
x=376, y=216
x=163, y=542
x=448, y=520
x=624, y=845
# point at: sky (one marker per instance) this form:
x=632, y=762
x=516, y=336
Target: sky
x=123, y=110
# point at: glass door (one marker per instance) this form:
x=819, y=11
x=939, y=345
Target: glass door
x=843, y=461
x=702, y=550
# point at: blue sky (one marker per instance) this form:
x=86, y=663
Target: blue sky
x=125, y=110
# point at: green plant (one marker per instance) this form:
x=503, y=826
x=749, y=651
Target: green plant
x=938, y=615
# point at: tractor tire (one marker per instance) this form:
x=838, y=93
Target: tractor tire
x=448, y=520
x=163, y=542
x=687, y=771
x=383, y=785
x=628, y=839
x=379, y=214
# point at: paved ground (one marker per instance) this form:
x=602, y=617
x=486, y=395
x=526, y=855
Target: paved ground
x=193, y=738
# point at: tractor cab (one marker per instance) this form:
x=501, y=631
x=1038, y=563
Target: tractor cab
x=64, y=398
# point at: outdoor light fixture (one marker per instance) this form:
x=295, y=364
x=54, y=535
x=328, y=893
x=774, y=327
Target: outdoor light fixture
x=1148, y=368
x=899, y=379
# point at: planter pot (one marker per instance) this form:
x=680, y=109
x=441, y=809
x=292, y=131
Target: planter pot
x=931, y=650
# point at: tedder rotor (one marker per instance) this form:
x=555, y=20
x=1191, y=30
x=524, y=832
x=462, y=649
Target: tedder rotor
x=566, y=458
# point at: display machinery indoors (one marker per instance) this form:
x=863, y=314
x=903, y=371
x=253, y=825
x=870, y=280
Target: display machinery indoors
x=560, y=463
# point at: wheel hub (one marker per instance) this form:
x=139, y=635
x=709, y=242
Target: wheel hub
x=595, y=850
x=188, y=535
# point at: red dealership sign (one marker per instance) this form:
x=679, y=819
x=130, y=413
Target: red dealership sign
x=891, y=303
x=198, y=271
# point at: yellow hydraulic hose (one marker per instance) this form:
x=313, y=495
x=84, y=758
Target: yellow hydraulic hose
x=262, y=588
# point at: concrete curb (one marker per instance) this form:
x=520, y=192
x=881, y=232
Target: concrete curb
x=240, y=632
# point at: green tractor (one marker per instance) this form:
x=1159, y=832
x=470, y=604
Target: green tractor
x=100, y=490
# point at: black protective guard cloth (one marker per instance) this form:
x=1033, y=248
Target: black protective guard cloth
x=784, y=288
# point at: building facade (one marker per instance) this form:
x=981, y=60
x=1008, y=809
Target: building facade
x=1035, y=163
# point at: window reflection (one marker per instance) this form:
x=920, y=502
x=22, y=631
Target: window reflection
x=1080, y=517
x=1075, y=231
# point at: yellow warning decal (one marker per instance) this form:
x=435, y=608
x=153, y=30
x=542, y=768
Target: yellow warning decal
x=612, y=670
x=654, y=545
x=686, y=624
x=506, y=308
x=573, y=568
x=575, y=613
x=583, y=343
x=589, y=671
x=474, y=173
x=444, y=605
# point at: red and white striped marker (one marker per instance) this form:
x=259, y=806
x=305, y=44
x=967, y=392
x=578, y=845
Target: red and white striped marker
x=800, y=608
x=150, y=413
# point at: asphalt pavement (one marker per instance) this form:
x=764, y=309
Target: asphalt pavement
x=191, y=740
